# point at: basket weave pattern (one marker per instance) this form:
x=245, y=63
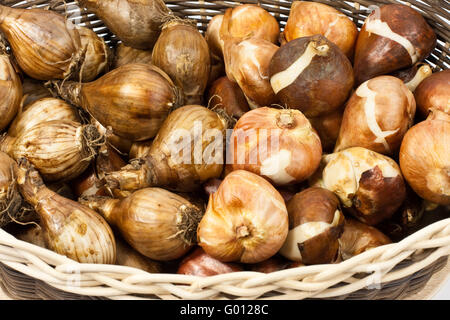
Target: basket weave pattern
x=388, y=272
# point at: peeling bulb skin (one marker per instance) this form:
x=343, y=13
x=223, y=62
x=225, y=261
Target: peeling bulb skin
x=377, y=116
x=425, y=159
x=278, y=144
x=315, y=223
x=239, y=226
x=310, y=18
x=369, y=185
x=97, y=55
x=392, y=38
x=358, y=238
x=10, y=198
x=311, y=74
x=434, y=93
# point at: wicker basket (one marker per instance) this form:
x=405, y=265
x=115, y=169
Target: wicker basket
x=389, y=272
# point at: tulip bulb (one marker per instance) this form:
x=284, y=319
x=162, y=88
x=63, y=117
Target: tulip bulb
x=309, y=18
x=414, y=76
x=45, y=44
x=69, y=228
x=60, y=150
x=369, y=185
x=187, y=151
x=425, y=159
x=198, y=263
x=273, y=264
x=392, y=38
x=434, y=93
x=315, y=226
x=10, y=91
x=311, y=74
x=136, y=23
x=157, y=223
x=246, y=220
x=247, y=64
x=377, y=116
x=358, y=238
x=133, y=100
x=327, y=128
x=43, y=110
x=10, y=198
x=183, y=53
x=212, y=36
x=225, y=94
x=278, y=144
x=251, y=21
x=126, y=55
x=97, y=55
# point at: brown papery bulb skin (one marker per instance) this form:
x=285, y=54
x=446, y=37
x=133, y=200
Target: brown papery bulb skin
x=194, y=131
x=133, y=100
x=311, y=74
x=157, y=223
x=246, y=220
x=97, y=55
x=183, y=53
x=60, y=150
x=315, y=226
x=327, y=128
x=212, y=36
x=278, y=144
x=45, y=44
x=69, y=228
x=10, y=198
x=434, y=93
x=309, y=18
x=198, y=263
x=392, y=38
x=425, y=159
x=369, y=185
x=43, y=110
x=126, y=55
x=136, y=22
x=225, y=94
x=251, y=21
x=377, y=116
x=10, y=91
x=33, y=90
x=120, y=144
x=359, y=237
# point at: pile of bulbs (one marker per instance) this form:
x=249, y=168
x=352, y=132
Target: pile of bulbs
x=89, y=131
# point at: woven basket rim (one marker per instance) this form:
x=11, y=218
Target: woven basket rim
x=395, y=261
x=313, y=281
